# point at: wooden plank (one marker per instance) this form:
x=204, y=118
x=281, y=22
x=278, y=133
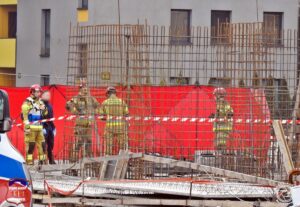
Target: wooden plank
x=283, y=145
x=124, y=169
x=76, y=166
x=207, y=203
x=292, y=126
x=103, y=170
x=110, y=168
x=79, y=200
x=119, y=166
x=135, y=201
x=39, y=196
x=214, y=170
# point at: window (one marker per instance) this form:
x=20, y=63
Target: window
x=219, y=26
x=273, y=28
x=45, y=80
x=180, y=27
x=45, y=48
x=179, y=80
x=216, y=81
x=83, y=59
x=12, y=24
x=83, y=4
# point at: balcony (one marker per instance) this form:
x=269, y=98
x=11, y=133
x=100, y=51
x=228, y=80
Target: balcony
x=8, y=2
x=7, y=53
x=82, y=15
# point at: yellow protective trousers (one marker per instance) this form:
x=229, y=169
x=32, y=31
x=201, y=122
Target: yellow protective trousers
x=222, y=132
x=34, y=137
x=82, y=143
x=116, y=138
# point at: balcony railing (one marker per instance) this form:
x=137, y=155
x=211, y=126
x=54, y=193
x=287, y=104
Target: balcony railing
x=8, y=2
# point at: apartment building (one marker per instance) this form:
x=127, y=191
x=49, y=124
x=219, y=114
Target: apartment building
x=44, y=25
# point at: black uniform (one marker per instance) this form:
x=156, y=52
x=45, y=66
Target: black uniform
x=49, y=127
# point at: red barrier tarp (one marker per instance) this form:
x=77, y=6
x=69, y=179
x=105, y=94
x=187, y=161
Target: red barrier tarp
x=179, y=139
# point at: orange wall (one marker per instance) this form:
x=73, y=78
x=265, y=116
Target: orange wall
x=7, y=79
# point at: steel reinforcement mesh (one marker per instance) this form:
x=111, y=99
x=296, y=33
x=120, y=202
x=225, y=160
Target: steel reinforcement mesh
x=167, y=78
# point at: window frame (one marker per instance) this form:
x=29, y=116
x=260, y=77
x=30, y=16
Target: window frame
x=45, y=80
x=280, y=41
x=214, y=36
x=83, y=4
x=46, y=33
x=83, y=60
x=173, y=40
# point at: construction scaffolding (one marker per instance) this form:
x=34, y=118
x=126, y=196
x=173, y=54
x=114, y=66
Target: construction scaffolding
x=168, y=82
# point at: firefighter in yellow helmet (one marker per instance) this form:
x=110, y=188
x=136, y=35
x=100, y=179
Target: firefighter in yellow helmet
x=33, y=109
x=83, y=106
x=223, y=125
x=114, y=110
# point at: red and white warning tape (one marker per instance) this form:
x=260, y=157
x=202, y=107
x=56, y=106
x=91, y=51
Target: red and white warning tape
x=164, y=119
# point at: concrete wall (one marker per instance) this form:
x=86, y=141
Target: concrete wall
x=29, y=62
x=156, y=12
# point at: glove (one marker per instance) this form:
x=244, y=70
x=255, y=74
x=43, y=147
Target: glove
x=54, y=132
x=45, y=132
x=42, y=107
x=27, y=129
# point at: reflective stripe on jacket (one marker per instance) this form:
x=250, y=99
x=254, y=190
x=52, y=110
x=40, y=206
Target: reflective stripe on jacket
x=31, y=112
x=114, y=107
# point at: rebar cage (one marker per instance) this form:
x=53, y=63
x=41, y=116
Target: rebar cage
x=168, y=80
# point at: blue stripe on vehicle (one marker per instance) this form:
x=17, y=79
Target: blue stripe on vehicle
x=11, y=168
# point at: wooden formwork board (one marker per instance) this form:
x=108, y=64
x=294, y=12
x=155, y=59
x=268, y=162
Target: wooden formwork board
x=283, y=145
x=135, y=201
x=171, y=162
x=214, y=170
x=78, y=166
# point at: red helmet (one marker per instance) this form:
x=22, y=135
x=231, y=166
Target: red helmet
x=111, y=89
x=35, y=87
x=220, y=92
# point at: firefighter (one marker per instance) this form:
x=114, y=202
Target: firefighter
x=33, y=109
x=49, y=129
x=223, y=125
x=83, y=105
x=114, y=111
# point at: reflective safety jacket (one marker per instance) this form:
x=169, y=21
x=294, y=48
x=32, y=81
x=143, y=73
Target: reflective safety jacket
x=223, y=117
x=83, y=106
x=31, y=111
x=115, y=110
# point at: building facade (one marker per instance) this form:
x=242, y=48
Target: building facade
x=8, y=29
x=43, y=26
